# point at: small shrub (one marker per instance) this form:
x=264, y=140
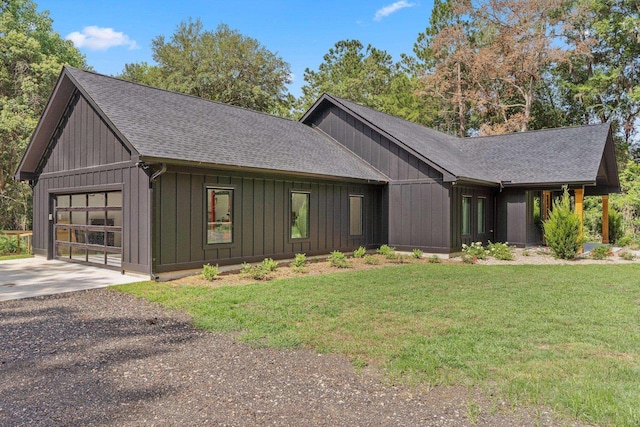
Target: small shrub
x=210, y=272
x=246, y=268
x=370, y=259
x=269, y=264
x=624, y=240
x=562, y=229
x=434, y=259
x=391, y=256
x=299, y=261
x=417, y=253
x=386, y=250
x=338, y=259
x=526, y=252
x=601, y=252
x=256, y=272
x=475, y=249
x=8, y=245
x=627, y=256
x=360, y=252
x=500, y=251
x=469, y=259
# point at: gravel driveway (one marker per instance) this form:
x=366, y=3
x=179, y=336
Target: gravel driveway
x=103, y=358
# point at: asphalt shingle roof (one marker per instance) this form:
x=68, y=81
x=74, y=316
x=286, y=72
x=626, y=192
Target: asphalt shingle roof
x=570, y=154
x=169, y=125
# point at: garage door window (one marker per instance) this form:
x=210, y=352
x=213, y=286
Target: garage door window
x=88, y=228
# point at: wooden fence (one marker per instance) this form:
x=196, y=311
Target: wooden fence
x=23, y=238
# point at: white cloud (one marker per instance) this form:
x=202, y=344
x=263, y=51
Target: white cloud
x=388, y=10
x=97, y=38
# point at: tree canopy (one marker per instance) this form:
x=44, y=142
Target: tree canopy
x=221, y=65
x=31, y=57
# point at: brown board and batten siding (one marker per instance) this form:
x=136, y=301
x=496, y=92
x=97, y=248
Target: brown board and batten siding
x=261, y=225
x=86, y=156
x=419, y=205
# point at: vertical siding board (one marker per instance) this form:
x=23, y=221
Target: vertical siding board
x=247, y=216
x=197, y=221
x=322, y=217
x=168, y=205
x=258, y=216
x=406, y=214
x=279, y=203
x=183, y=219
x=132, y=234
x=269, y=216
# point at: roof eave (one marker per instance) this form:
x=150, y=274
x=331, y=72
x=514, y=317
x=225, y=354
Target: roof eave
x=206, y=165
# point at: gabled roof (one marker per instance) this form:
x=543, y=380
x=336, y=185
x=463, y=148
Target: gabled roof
x=173, y=127
x=570, y=155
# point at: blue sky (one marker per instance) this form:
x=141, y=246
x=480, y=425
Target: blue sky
x=112, y=33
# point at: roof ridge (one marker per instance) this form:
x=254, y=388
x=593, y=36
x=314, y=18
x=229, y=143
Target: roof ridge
x=179, y=93
x=339, y=99
x=535, y=131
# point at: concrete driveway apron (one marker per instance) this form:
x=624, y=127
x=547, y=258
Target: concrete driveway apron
x=31, y=277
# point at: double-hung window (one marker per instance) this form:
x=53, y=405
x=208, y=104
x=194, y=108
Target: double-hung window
x=355, y=214
x=299, y=215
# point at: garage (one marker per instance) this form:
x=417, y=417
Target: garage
x=88, y=228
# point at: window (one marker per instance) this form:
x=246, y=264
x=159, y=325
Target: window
x=219, y=215
x=482, y=202
x=299, y=215
x=466, y=214
x=355, y=215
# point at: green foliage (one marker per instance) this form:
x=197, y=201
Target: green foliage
x=338, y=259
x=417, y=253
x=256, y=272
x=468, y=259
x=434, y=259
x=562, y=229
x=561, y=336
x=210, y=272
x=31, y=58
x=8, y=245
x=299, y=261
x=269, y=264
x=500, y=251
x=399, y=258
x=601, y=252
x=627, y=256
x=386, y=250
x=372, y=260
x=593, y=221
x=475, y=250
x=221, y=65
x=360, y=252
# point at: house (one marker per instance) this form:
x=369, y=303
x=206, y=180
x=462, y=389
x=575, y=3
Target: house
x=141, y=179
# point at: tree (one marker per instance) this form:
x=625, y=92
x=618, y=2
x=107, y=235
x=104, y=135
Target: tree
x=368, y=76
x=221, y=65
x=31, y=57
x=488, y=59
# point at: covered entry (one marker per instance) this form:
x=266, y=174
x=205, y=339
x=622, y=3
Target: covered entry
x=88, y=228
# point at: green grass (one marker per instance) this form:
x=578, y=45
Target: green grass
x=563, y=336
x=14, y=256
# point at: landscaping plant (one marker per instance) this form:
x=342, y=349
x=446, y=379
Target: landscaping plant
x=562, y=229
x=338, y=259
x=386, y=250
x=434, y=259
x=360, y=252
x=417, y=253
x=500, y=251
x=601, y=252
x=475, y=250
x=299, y=262
x=370, y=259
x=210, y=272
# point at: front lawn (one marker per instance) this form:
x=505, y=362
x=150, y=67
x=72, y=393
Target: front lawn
x=563, y=336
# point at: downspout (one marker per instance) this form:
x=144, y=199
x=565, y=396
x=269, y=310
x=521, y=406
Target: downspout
x=152, y=225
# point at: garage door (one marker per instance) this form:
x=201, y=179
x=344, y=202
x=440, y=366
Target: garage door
x=88, y=228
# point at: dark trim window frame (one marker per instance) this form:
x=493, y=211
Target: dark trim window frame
x=356, y=215
x=299, y=215
x=219, y=215
x=481, y=204
x=467, y=214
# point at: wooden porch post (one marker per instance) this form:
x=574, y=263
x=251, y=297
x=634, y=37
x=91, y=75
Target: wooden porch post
x=605, y=219
x=579, y=193
x=545, y=208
